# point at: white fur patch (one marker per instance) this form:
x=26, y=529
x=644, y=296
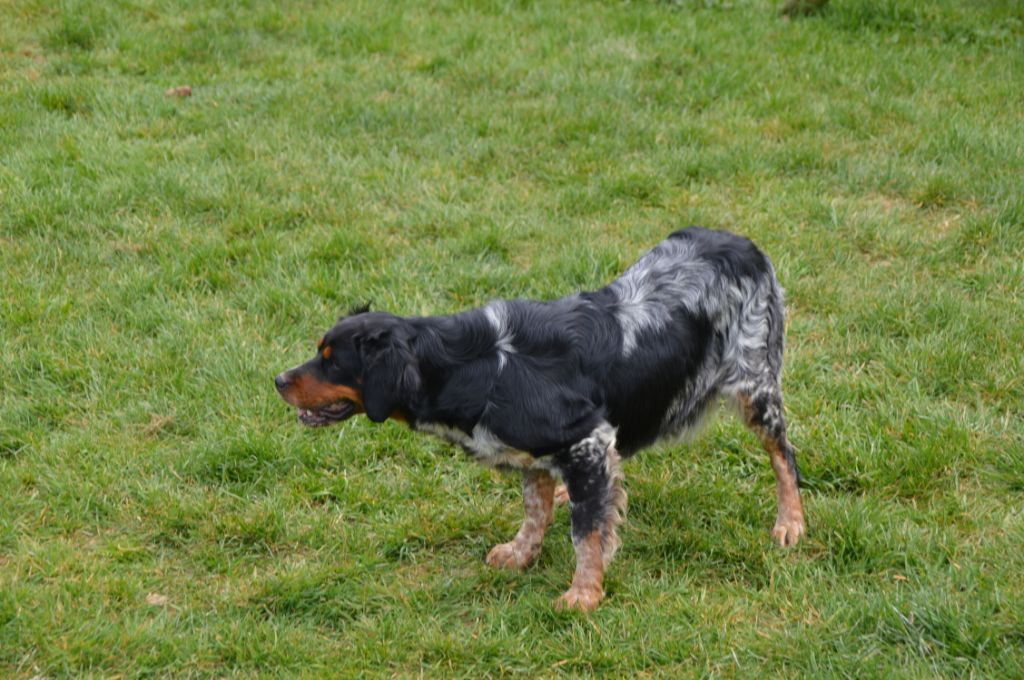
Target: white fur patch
x=668, y=277
x=486, y=448
x=497, y=315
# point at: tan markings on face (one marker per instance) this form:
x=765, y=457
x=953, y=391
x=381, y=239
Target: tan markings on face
x=327, y=352
x=305, y=391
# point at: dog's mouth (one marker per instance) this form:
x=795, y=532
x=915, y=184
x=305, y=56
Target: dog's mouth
x=327, y=415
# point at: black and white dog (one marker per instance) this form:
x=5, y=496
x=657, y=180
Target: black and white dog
x=563, y=389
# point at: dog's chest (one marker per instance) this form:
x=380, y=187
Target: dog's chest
x=485, y=447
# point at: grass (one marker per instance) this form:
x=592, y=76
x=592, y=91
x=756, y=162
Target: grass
x=162, y=514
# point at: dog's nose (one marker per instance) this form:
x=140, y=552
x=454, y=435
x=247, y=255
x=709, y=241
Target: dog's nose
x=280, y=381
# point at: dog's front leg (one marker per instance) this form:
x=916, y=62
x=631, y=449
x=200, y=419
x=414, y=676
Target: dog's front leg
x=597, y=505
x=538, y=491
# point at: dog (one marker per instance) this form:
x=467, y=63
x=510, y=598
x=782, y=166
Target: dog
x=566, y=389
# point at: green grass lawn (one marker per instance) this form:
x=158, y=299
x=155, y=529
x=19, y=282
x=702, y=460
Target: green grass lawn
x=162, y=512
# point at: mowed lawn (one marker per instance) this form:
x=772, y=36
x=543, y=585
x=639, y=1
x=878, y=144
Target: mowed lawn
x=162, y=513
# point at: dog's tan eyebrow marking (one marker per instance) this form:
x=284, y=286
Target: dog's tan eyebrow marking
x=327, y=352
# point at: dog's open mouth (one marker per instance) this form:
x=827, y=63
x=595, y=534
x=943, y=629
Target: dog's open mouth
x=328, y=415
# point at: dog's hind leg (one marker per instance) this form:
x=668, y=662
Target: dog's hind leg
x=762, y=412
x=538, y=493
x=593, y=476
x=755, y=383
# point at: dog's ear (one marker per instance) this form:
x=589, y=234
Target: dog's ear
x=355, y=311
x=391, y=377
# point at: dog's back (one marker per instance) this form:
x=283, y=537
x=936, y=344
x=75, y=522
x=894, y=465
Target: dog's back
x=696, y=317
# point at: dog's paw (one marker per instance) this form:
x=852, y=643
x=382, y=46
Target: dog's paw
x=561, y=494
x=581, y=599
x=788, y=530
x=509, y=555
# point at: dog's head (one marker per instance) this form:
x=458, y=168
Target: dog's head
x=362, y=365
